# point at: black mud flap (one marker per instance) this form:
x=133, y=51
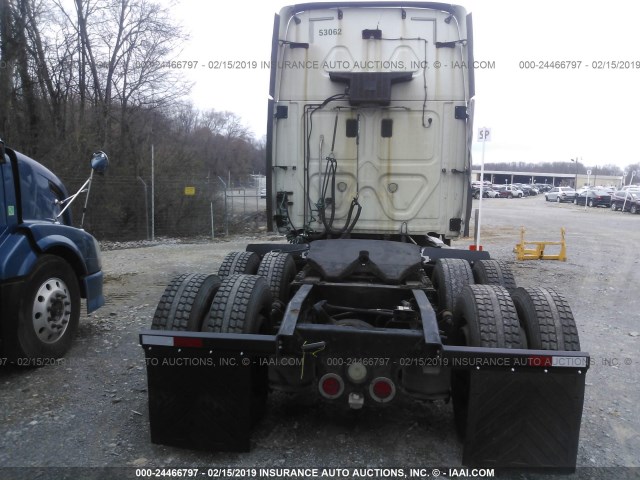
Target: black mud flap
x=198, y=400
x=528, y=420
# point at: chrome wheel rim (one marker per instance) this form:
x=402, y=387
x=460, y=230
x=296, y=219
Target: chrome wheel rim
x=51, y=311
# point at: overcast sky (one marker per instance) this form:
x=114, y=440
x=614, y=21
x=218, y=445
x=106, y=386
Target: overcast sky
x=535, y=114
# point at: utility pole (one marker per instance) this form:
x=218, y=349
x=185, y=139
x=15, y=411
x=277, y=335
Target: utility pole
x=575, y=183
x=153, y=197
x=146, y=205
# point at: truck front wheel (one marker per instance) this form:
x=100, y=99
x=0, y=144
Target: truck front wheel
x=48, y=310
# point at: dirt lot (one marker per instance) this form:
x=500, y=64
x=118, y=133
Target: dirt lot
x=90, y=410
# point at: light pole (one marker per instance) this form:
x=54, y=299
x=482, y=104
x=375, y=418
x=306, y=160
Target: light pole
x=153, y=196
x=146, y=204
x=226, y=214
x=575, y=184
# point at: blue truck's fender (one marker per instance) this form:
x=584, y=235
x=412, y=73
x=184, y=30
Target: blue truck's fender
x=86, y=259
x=76, y=246
x=16, y=257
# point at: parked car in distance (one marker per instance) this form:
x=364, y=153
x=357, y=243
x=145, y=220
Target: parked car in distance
x=609, y=189
x=581, y=190
x=487, y=192
x=627, y=200
x=543, y=187
x=509, y=191
x=560, y=194
x=263, y=193
x=593, y=198
x=528, y=190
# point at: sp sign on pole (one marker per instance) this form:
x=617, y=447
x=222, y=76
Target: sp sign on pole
x=484, y=134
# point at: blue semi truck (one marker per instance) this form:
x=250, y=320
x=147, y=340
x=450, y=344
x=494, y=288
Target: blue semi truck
x=46, y=264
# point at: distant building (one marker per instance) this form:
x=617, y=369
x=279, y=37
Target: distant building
x=259, y=181
x=557, y=179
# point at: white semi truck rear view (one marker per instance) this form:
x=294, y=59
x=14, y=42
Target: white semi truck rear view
x=371, y=133
x=368, y=175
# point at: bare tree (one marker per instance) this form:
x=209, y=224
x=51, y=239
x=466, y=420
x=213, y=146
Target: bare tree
x=6, y=59
x=105, y=74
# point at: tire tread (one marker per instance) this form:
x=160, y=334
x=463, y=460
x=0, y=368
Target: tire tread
x=490, y=316
x=547, y=319
x=451, y=275
x=239, y=262
x=278, y=268
x=229, y=308
x=494, y=272
x=177, y=302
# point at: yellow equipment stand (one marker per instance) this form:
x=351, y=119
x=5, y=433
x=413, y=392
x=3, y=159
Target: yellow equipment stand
x=537, y=253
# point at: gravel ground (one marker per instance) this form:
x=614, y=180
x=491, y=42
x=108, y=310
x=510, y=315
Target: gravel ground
x=90, y=409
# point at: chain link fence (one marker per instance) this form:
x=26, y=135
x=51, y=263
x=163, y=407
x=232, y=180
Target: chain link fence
x=121, y=208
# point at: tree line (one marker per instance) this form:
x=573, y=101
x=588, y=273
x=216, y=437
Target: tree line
x=78, y=76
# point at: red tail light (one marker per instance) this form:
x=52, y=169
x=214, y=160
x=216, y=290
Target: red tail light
x=331, y=386
x=382, y=390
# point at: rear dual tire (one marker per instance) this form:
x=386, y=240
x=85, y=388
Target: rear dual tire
x=234, y=304
x=546, y=318
x=279, y=270
x=242, y=305
x=239, y=262
x=489, y=316
x=484, y=317
x=185, y=302
x=493, y=272
x=450, y=276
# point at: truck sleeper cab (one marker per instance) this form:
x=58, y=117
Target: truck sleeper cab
x=370, y=121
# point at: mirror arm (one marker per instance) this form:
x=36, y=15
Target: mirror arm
x=73, y=197
x=86, y=199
